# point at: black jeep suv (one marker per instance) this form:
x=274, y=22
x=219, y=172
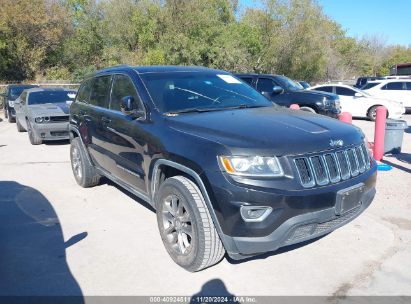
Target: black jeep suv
x=225, y=169
x=285, y=92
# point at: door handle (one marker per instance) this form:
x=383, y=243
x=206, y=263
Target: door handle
x=105, y=119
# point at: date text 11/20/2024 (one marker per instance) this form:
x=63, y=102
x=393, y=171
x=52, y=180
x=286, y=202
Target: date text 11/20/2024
x=203, y=299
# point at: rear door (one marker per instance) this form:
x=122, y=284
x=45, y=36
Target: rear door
x=95, y=121
x=407, y=101
x=125, y=135
x=394, y=91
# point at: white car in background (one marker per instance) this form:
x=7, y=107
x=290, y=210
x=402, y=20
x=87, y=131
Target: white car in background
x=393, y=89
x=360, y=103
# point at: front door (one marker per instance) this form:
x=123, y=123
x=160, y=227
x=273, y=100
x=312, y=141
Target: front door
x=265, y=87
x=356, y=105
x=125, y=136
x=19, y=105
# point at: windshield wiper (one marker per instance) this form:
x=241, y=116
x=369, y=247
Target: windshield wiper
x=191, y=110
x=201, y=110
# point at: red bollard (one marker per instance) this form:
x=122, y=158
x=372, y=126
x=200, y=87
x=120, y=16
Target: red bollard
x=295, y=106
x=379, y=133
x=345, y=117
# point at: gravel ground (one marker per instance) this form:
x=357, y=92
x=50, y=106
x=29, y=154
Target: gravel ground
x=57, y=238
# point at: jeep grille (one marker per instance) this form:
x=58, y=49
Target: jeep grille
x=332, y=167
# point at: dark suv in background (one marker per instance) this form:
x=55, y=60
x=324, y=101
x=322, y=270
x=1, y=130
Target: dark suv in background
x=285, y=92
x=362, y=81
x=226, y=169
x=13, y=91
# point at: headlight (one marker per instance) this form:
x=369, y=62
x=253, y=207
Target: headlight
x=252, y=166
x=326, y=102
x=39, y=119
x=11, y=103
x=337, y=103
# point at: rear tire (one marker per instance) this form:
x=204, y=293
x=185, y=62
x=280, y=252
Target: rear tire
x=33, y=137
x=84, y=172
x=9, y=117
x=185, y=225
x=308, y=109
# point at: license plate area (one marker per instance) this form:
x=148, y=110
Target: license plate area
x=349, y=199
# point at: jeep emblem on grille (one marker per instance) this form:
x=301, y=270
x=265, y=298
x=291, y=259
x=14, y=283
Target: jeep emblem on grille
x=336, y=143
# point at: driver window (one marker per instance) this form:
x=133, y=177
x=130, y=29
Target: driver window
x=344, y=91
x=123, y=86
x=265, y=85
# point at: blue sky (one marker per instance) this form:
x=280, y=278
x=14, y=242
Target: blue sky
x=390, y=19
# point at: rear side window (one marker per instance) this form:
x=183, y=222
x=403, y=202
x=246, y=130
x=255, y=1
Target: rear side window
x=83, y=94
x=122, y=86
x=392, y=86
x=325, y=89
x=265, y=85
x=100, y=91
x=247, y=80
x=408, y=86
x=344, y=91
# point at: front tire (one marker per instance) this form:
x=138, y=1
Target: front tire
x=19, y=126
x=33, y=137
x=185, y=225
x=84, y=172
x=372, y=113
x=308, y=109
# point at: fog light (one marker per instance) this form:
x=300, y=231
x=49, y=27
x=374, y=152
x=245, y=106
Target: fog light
x=255, y=213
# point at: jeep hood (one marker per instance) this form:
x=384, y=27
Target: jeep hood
x=268, y=130
x=50, y=109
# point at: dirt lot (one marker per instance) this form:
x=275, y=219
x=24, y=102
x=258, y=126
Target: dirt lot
x=57, y=238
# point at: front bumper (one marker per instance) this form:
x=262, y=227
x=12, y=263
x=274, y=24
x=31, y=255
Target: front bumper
x=52, y=131
x=301, y=228
x=297, y=216
x=333, y=112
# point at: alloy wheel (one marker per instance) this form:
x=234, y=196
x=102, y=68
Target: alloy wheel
x=177, y=224
x=76, y=162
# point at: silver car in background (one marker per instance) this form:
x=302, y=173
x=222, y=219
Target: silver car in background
x=44, y=113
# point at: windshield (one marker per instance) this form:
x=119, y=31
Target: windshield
x=370, y=85
x=50, y=97
x=200, y=91
x=362, y=92
x=15, y=92
x=288, y=84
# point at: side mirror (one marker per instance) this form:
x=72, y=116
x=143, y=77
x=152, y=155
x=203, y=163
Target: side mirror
x=277, y=90
x=358, y=94
x=128, y=107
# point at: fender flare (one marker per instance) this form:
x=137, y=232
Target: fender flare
x=228, y=242
x=76, y=130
